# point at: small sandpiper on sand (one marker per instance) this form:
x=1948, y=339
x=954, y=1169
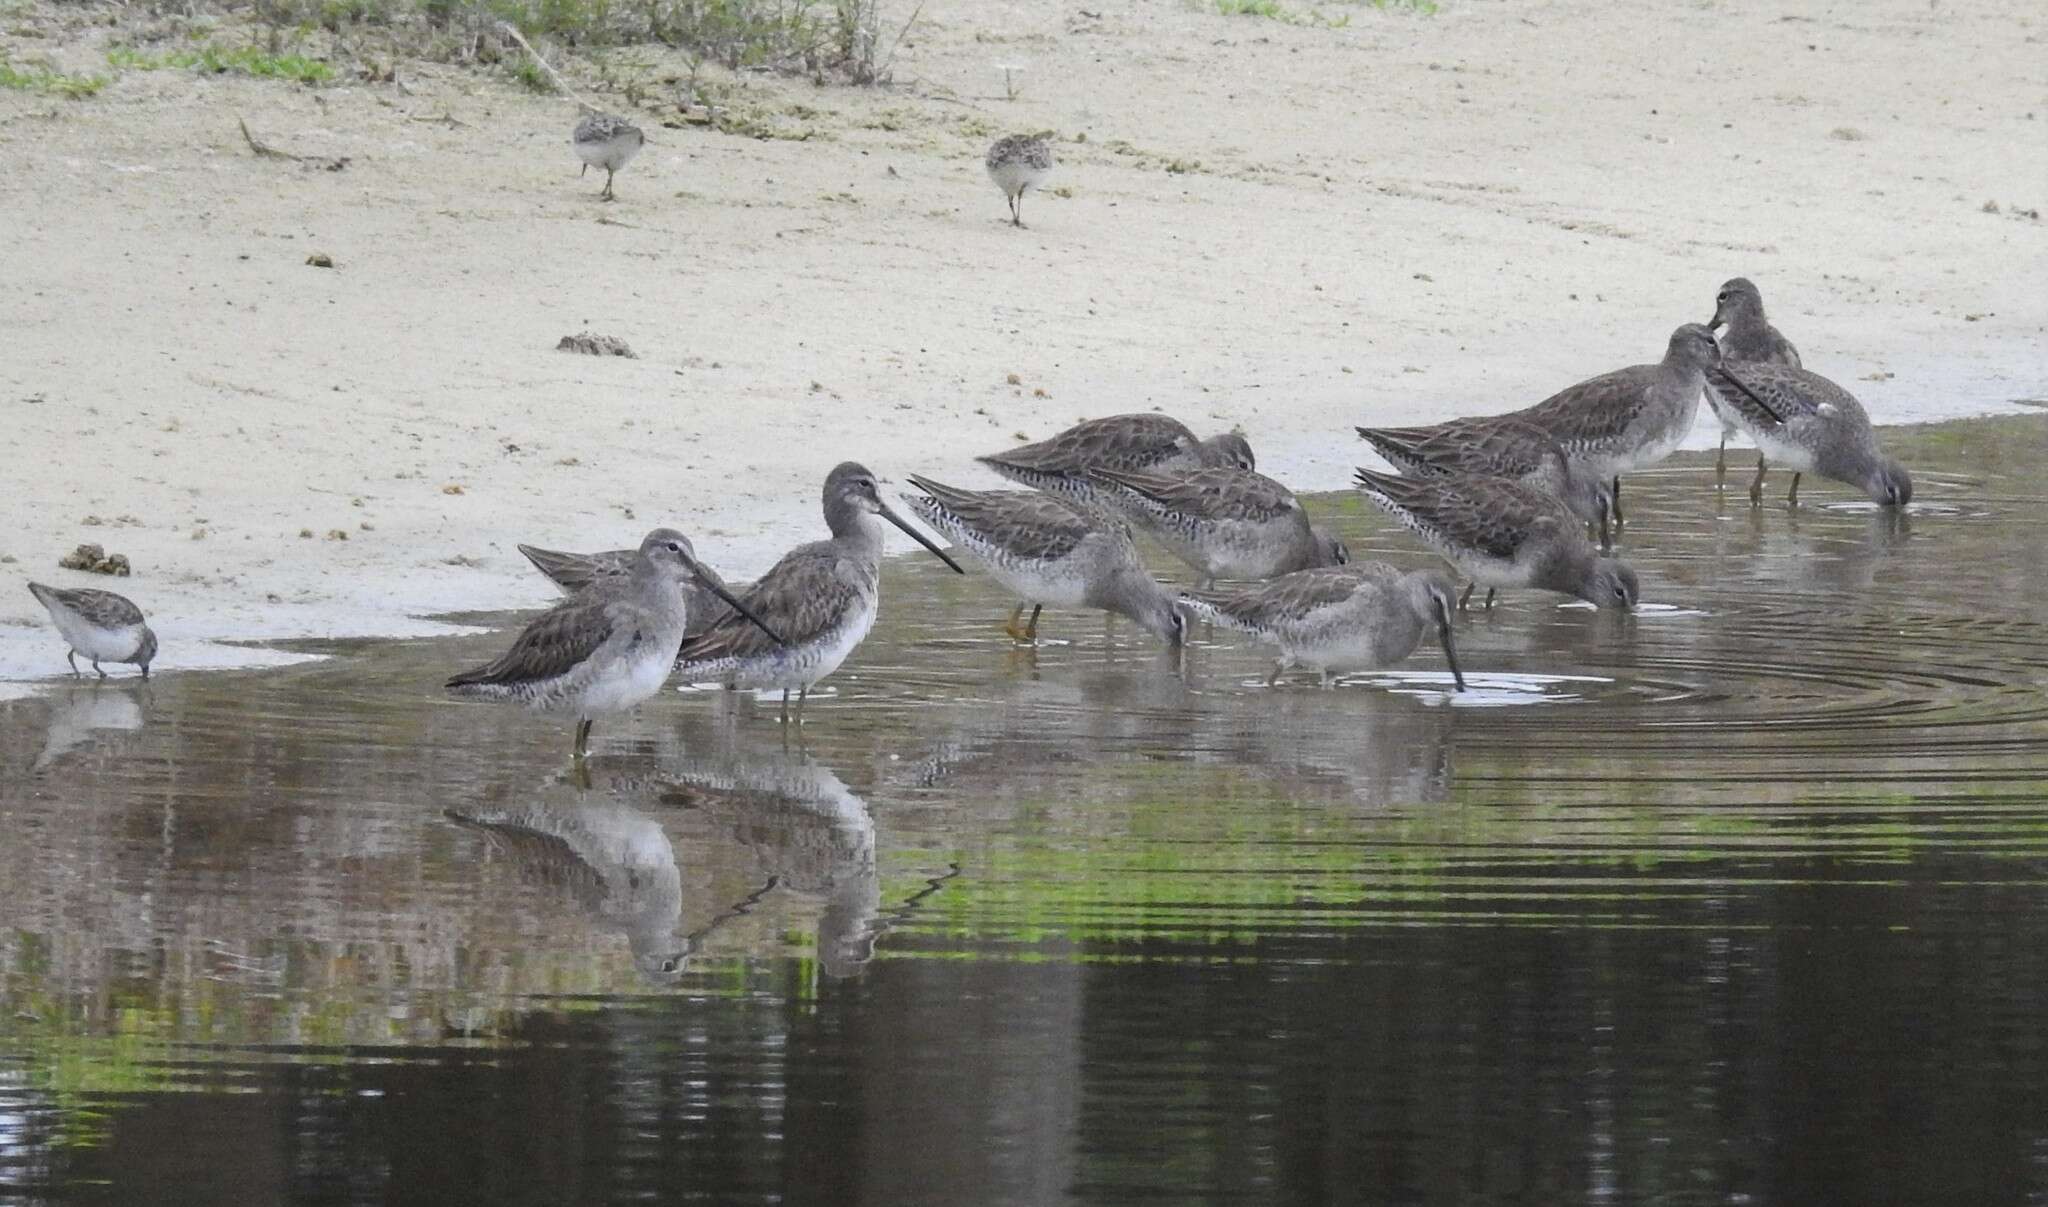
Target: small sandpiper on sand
x=103, y=626
x=1016, y=163
x=1144, y=442
x=602, y=650
x=822, y=597
x=1500, y=534
x=604, y=141
x=704, y=589
x=1339, y=618
x=1808, y=424
x=1226, y=523
x=1046, y=552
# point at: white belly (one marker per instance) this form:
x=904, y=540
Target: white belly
x=1014, y=177
x=100, y=645
x=628, y=682
x=797, y=668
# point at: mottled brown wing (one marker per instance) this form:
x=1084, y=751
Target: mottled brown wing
x=1493, y=516
x=102, y=609
x=1292, y=596
x=801, y=597
x=1217, y=494
x=575, y=571
x=1771, y=395
x=1499, y=447
x=1115, y=442
x=1023, y=522
x=1592, y=411
x=552, y=644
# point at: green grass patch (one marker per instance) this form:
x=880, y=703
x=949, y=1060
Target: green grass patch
x=53, y=83
x=222, y=60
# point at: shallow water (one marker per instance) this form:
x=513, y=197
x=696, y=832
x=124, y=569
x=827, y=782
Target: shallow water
x=1739, y=899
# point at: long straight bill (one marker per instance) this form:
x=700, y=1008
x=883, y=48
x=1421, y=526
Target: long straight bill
x=920, y=538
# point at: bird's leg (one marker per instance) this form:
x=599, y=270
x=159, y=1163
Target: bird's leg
x=1014, y=626
x=1617, y=501
x=1489, y=599
x=802, y=694
x=96, y=667
x=71, y=656
x=1465, y=600
x=582, y=739
x=1323, y=677
x=1756, y=488
x=1017, y=210
x=145, y=670
x=1031, y=629
x=1279, y=669
x=1792, y=499
x=1721, y=463
x=785, y=706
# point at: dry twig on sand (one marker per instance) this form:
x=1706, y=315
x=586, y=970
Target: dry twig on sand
x=332, y=163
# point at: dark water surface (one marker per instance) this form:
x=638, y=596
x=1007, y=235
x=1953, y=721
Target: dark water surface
x=1743, y=899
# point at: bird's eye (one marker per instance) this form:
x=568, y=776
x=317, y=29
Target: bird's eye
x=1722, y=296
x=1621, y=593
x=674, y=548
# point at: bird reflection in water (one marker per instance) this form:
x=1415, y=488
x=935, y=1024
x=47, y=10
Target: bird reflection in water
x=77, y=713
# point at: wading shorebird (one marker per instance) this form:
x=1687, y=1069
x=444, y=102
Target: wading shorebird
x=822, y=597
x=1046, y=552
x=604, y=141
x=103, y=626
x=1739, y=307
x=1016, y=163
x=1502, y=534
x=602, y=650
x=1808, y=424
x=1495, y=447
x=1226, y=523
x=1631, y=418
x=1339, y=618
x=1140, y=443
x=704, y=590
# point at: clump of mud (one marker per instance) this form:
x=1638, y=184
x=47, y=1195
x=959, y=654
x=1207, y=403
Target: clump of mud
x=96, y=560
x=596, y=345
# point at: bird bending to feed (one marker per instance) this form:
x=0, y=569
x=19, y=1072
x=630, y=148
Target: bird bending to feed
x=1018, y=162
x=1144, y=442
x=1226, y=523
x=1739, y=307
x=1808, y=424
x=822, y=597
x=1046, y=552
x=1631, y=418
x=103, y=626
x=1339, y=618
x=604, y=649
x=1502, y=534
x=604, y=141
x=1495, y=447
x=705, y=591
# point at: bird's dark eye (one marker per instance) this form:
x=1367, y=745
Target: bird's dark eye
x=674, y=548
x=1722, y=297
x=1621, y=593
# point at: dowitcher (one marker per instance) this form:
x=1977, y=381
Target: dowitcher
x=1631, y=418
x=1142, y=442
x=1046, y=552
x=1499, y=534
x=602, y=650
x=103, y=626
x=1226, y=523
x=1495, y=447
x=1739, y=307
x=704, y=590
x=1016, y=163
x=604, y=141
x=822, y=597
x=1808, y=424
x=1339, y=618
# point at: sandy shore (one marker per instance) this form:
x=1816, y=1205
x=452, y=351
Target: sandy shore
x=1288, y=228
